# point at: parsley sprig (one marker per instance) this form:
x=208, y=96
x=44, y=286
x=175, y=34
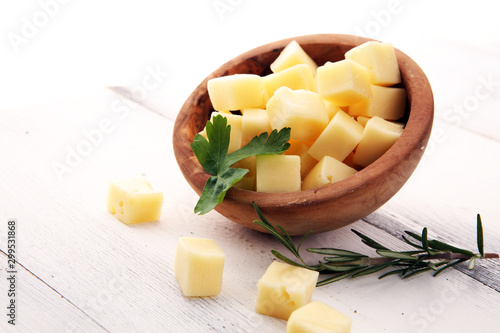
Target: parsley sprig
x=338, y=264
x=215, y=160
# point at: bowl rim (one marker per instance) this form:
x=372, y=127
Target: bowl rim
x=414, y=136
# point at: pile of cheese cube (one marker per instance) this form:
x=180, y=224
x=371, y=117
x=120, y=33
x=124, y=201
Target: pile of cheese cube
x=343, y=115
x=284, y=291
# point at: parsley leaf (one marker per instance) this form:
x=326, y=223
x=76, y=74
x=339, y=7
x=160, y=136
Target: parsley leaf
x=213, y=157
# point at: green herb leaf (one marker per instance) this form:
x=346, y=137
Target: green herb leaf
x=372, y=269
x=425, y=241
x=216, y=187
x=396, y=255
x=213, y=157
x=370, y=242
x=334, y=278
x=448, y=265
x=393, y=272
x=275, y=144
x=289, y=261
x=335, y=252
x=480, y=238
x=341, y=259
x=212, y=153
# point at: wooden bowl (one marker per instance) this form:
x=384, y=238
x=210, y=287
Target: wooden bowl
x=328, y=207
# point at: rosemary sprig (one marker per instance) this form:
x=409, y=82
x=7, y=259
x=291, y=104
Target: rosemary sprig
x=429, y=255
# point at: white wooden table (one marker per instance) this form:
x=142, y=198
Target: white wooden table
x=81, y=270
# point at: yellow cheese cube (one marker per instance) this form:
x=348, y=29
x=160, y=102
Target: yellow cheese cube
x=317, y=317
x=379, y=59
x=386, y=102
x=301, y=110
x=378, y=136
x=253, y=122
x=236, y=92
x=278, y=173
x=198, y=266
x=248, y=181
x=235, y=137
x=292, y=55
x=295, y=77
x=284, y=288
x=331, y=108
x=343, y=82
x=326, y=172
x=338, y=139
x=307, y=162
x=134, y=201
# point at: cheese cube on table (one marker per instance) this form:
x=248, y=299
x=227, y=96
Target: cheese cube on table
x=378, y=136
x=293, y=54
x=199, y=266
x=235, y=137
x=327, y=171
x=386, y=102
x=301, y=110
x=317, y=317
x=253, y=122
x=296, y=77
x=236, y=92
x=343, y=82
x=380, y=60
x=133, y=200
x=278, y=173
x=299, y=148
x=283, y=289
x=338, y=139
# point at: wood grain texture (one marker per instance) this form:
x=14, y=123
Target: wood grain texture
x=86, y=269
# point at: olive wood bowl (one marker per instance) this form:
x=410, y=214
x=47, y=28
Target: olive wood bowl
x=333, y=206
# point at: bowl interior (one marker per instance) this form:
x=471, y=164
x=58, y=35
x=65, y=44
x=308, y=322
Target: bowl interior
x=332, y=206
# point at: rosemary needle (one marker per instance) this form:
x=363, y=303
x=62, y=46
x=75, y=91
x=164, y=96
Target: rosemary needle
x=338, y=264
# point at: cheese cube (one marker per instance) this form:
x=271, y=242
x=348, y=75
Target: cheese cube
x=198, y=266
x=235, y=137
x=331, y=108
x=362, y=120
x=284, y=288
x=292, y=55
x=349, y=162
x=378, y=136
x=253, y=122
x=307, y=162
x=301, y=110
x=236, y=92
x=278, y=173
x=248, y=181
x=379, y=59
x=296, y=77
x=343, y=82
x=317, y=317
x=326, y=172
x=386, y=102
x=338, y=139
x=134, y=201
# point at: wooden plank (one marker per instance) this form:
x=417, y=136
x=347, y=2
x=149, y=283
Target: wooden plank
x=121, y=276
x=39, y=307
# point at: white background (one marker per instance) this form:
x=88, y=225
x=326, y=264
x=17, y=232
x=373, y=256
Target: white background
x=52, y=48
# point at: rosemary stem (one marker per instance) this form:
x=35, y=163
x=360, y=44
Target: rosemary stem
x=440, y=256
